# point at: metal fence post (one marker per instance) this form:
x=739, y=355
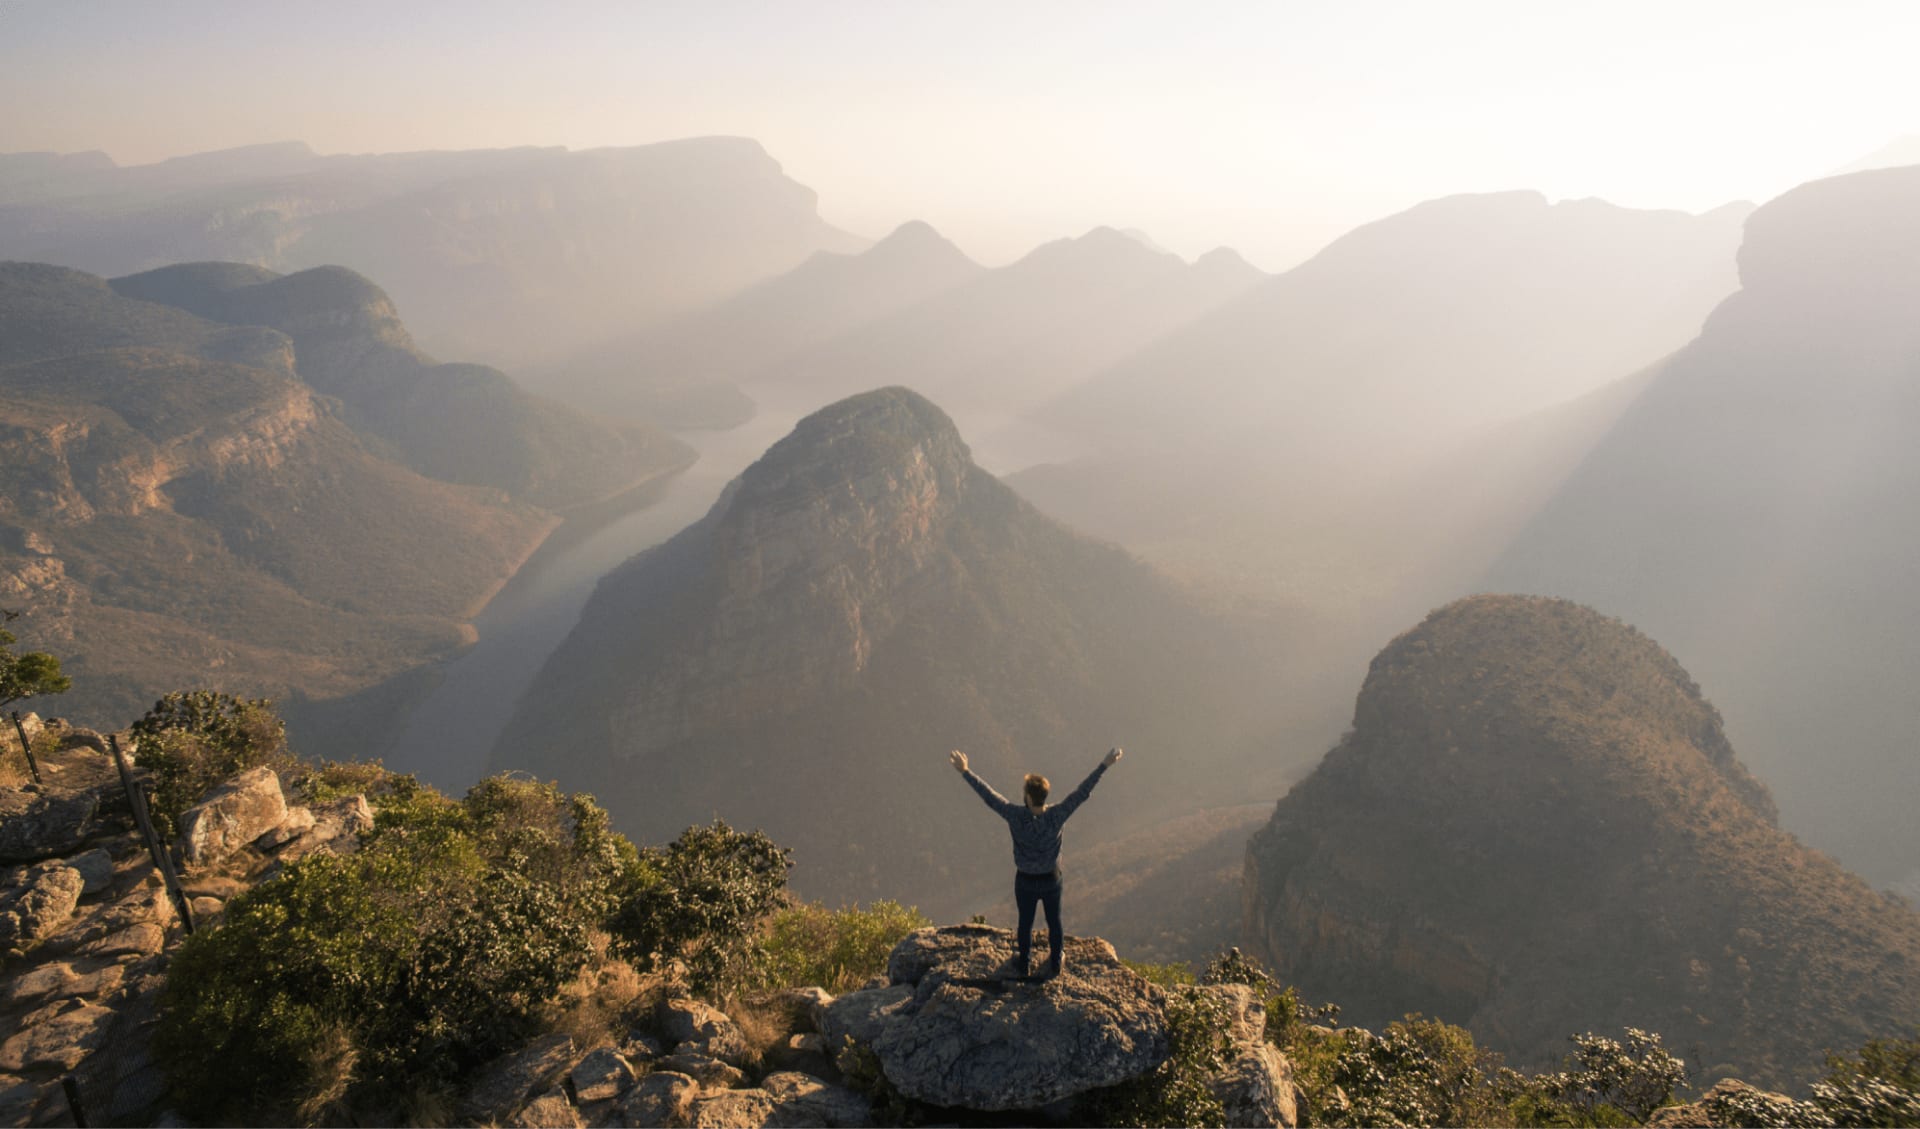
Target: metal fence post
x=137, y=798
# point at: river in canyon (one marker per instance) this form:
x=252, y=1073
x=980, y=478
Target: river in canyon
x=446, y=737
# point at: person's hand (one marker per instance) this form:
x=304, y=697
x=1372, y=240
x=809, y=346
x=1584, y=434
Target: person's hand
x=1113, y=756
x=958, y=759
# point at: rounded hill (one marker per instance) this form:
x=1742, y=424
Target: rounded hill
x=1536, y=826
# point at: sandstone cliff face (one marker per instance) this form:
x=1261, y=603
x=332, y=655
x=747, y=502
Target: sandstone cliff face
x=461, y=423
x=1536, y=827
x=861, y=600
x=176, y=503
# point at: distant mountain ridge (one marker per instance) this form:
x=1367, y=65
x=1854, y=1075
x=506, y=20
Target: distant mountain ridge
x=510, y=256
x=859, y=601
x=1537, y=826
x=1753, y=507
x=688, y=372
x=468, y=424
x=1010, y=339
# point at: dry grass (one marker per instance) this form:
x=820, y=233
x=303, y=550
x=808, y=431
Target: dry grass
x=326, y=1076
x=428, y=1105
x=765, y=1023
x=604, y=1001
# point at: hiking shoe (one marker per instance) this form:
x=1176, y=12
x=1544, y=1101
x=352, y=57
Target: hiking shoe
x=1052, y=969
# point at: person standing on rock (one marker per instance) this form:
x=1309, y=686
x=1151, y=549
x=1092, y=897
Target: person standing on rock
x=1036, y=850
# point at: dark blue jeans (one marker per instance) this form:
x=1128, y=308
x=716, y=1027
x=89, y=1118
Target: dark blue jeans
x=1029, y=892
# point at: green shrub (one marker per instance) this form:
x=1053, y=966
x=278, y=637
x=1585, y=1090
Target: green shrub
x=192, y=740
x=435, y=946
x=28, y=674
x=1609, y=1082
x=1172, y=974
x=1879, y=1087
x=1418, y=1071
x=839, y=950
x=699, y=901
x=1180, y=1091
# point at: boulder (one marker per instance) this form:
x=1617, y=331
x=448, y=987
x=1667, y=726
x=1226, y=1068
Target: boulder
x=39, y=823
x=37, y=908
x=238, y=812
x=58, y=1043
x=954, y=1030
x=1731, y=1102
x=803, y=1007
x=143, y=938
x=733, y=1109
x=1256, y=1086
x=337, y=828
x=710, y=1072
x=550, y=1110
x=663, y=1098
x=96, y=869
x=504, y=1085
x=862, y=1015
x=710, y=1031
x=808, y=1054
x=784, y=1101
x=801, y=1099
x=299, y=821
x=601, y=1075
x=58, y=980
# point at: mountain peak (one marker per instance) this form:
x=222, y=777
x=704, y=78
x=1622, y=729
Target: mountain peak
x=862, y=448
x=915, y=240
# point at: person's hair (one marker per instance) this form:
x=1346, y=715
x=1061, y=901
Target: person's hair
x=1037, y=788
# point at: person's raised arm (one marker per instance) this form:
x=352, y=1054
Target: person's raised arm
x=994, y=800
x=1079, y=795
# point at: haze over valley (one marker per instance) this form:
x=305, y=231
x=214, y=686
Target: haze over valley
x=1482, y=508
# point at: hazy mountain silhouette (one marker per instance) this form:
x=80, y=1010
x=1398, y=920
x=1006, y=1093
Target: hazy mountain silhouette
x=861, y=600
x=457, y=422
x=1536, y=827
x=686, y=373
x=1015, y=337
x=1754, y=509
x=1362, y=434
x=1458, y=312
x=506, y=255
x=178, y=507
x=1894, y=154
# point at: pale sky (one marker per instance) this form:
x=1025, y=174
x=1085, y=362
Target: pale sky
x=1268, y=127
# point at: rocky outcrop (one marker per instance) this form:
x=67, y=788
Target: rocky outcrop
x=37, y=904
x=504, y=1086
x=695, y=1028
x=38, y=822
x=1256, y=1087
x=955, y=1028
x=238, y=812
x=85, y=939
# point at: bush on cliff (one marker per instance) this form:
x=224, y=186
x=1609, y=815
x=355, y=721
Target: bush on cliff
x=697, y=902
x=839, y=950
x=435, y=946
x=192, y=740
